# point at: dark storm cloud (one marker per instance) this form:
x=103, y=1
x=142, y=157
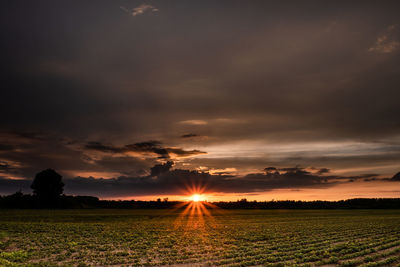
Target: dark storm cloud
x=144, y=147
x=290, y=71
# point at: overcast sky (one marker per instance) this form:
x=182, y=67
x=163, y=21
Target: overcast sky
x=104, y=91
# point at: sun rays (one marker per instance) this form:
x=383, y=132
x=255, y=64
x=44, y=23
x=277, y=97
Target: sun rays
x=197, y=204
x=196, y=213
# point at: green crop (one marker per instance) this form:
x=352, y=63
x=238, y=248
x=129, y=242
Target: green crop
x=226, y=238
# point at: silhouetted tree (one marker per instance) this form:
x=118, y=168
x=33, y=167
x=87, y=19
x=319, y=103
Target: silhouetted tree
x=48, y=187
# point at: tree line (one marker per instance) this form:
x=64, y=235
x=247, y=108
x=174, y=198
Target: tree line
x=48, y=193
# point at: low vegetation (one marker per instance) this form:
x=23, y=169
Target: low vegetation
x=227, y=237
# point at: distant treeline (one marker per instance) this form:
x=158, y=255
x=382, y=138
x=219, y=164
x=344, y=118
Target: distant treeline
x=23, y=201
x=356, y=203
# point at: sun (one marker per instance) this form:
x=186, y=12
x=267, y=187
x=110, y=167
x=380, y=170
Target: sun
x=196, y=198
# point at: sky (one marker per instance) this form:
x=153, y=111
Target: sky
x=232, y=99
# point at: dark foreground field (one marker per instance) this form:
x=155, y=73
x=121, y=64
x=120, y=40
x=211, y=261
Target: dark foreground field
x=234, y=237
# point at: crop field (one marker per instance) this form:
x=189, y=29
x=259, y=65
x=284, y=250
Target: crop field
x=210, y=238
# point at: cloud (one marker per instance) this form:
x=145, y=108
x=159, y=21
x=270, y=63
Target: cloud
x=6, y=147
x=163, y=180
x=140, y=10
x=225, y=171
x=146, y=147
x=271, y=170
x=143, y=147
x=23, y=156
x=189, y=135
x=194, y=122
x=192, y=137
x=387, y=42
x=8, y=167
x=161, y=168
x=180, y=153
x=323, y=170
x=125, y=165
x=177, y=181
x=286, y=81
x=319, y=170
x=153, y=147
x=104, y=148
x=396, y=177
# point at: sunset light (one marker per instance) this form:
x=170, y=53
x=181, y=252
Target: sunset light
x=200, y=133
x=196, y=198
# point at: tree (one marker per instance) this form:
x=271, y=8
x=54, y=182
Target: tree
x=48, y=187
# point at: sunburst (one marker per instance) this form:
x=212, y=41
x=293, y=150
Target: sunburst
x=197, y=198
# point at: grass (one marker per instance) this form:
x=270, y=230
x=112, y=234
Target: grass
x=227, y=237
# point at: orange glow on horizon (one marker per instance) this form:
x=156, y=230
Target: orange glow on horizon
x=340, y=191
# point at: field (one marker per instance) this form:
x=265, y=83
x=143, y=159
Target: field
x=221, y=237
